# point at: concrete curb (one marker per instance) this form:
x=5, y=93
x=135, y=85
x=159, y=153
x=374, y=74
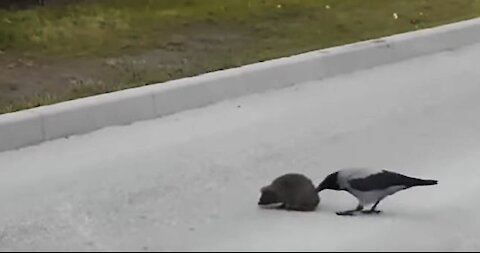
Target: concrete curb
x=80, y=116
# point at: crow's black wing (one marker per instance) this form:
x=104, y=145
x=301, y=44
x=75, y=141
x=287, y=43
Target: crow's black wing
x=380, y=181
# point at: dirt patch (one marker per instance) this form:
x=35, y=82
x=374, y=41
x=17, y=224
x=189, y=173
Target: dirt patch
x=182, y=54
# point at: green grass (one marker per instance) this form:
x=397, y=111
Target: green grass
x=264, y=29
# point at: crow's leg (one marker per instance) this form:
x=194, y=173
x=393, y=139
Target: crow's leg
x=351, y=212
x=373, y=209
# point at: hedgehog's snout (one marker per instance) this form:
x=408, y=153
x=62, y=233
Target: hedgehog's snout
x=268, y=197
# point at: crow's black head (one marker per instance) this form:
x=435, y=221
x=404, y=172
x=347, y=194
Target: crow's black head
x=329, y=183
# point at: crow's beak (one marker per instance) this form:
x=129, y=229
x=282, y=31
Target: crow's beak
x=320, y=188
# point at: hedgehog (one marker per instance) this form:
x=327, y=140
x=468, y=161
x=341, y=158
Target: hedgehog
x=291, y=191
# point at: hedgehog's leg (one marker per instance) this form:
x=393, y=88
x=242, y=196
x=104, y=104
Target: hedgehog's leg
x=351, y=212
x=302, y=208
x=290, y=207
